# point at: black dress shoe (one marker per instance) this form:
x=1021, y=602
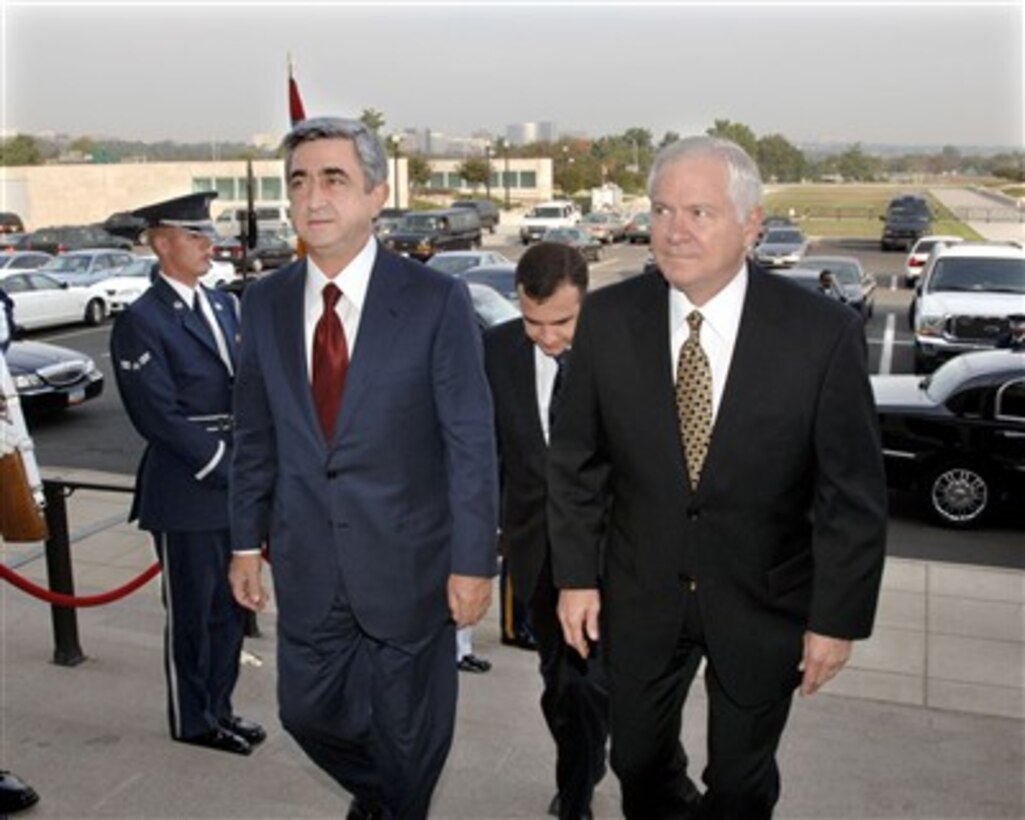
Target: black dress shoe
x=522, y=640
x=555, y=808
x=220, y=739
x=364, y=810
x=249, y=730
x=15, y=794
x=471, y=663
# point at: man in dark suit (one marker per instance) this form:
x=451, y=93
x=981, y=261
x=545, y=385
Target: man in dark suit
x=174, y=354
x=379, y=502
x=524, y=360
x=747, y=502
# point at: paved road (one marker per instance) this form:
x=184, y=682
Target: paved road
x=97, y=435
x=989, y=214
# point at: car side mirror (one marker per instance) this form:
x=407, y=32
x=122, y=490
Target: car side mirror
x=64, y=285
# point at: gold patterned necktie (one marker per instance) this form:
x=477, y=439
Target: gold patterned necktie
x=694, y=398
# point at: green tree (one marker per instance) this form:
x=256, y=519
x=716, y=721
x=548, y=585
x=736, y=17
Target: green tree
x=736, y=132
x=20, y=150
x=372, y=119
x=779, y=160
x=474, y=170
x=419, y=171
x=668, y=138
x=640, y=136
x=855, y=164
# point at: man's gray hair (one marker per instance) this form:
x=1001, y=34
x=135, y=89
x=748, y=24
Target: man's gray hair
x=369, y=148
x=745, y=181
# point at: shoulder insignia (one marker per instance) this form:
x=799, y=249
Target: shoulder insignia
x=137, y=364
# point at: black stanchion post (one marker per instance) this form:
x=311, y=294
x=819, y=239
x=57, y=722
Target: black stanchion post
x=66, y=650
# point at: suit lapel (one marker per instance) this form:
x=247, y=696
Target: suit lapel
x=193, y=323
x=751, y=354
x=650, y=361
x=383, y=311
x=288, y=316
x=224, y=313
x=524, y=379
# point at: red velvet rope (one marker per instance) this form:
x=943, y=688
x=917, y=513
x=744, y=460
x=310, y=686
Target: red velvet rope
x=60, y=599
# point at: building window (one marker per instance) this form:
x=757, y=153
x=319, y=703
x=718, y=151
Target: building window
x=437, y=180
x=200, y=184
x=270, y=189
x=528, y=179
x=225, y=187
x=454, y=180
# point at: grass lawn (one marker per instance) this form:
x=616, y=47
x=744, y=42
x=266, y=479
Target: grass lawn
x=853, y=210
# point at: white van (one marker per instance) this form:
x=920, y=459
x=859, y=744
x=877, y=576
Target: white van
x=559, y=213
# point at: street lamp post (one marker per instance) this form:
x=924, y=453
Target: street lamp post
x=487, y=177
x=395, y=141
x=504, y=145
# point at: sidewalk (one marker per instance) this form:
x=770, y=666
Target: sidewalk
x=92, y=739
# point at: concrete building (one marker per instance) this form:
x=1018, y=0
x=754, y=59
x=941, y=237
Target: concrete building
x=45, y=195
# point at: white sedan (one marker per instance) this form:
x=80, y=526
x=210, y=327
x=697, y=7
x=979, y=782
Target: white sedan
x=455, y=262
x=121, y=290
x=42, y=301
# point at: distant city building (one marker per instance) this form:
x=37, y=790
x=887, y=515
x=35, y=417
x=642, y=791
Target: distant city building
x=266, y=141
x=547, y=132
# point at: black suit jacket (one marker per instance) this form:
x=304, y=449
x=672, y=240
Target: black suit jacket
x=786, y=530
x=523, y=453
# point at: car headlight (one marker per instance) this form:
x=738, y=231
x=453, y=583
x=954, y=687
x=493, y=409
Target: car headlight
x=930, y=325
x=89, y=366
x=27, y=381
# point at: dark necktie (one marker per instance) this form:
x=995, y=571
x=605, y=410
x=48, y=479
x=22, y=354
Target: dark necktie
x=330, y=362
x=694, y=398
x=560, y=370
x=214, y=333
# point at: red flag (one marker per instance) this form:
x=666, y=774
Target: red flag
x=296, y=112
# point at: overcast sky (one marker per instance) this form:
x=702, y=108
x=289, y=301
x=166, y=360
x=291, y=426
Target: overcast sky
x=930, y=74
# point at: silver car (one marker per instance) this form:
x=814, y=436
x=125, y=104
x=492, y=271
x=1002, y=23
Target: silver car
x=780, y=248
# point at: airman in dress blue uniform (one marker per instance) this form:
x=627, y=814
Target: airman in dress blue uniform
x=174, y=352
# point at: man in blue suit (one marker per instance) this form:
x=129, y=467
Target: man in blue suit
x=379, y=503
x=174, y=354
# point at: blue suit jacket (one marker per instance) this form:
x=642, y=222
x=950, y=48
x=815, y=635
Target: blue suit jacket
x=168, y=371
x=405, y=494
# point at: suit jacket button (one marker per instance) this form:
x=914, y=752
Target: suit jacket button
x=693, y=514
x=333, y=473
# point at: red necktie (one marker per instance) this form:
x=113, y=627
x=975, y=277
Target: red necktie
x=330, y=362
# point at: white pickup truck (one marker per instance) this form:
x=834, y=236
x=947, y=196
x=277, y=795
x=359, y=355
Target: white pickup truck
x=559, y=213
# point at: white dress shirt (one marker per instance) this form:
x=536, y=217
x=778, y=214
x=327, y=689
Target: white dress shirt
x=353, y=281
x=545, y=368
x=719, y=326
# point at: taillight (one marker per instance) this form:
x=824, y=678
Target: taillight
x=62, y=248
x=916, y=263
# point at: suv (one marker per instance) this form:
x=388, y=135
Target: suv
x=559, y=213
x=486, y=210
x=964, y=298
x=269, y=219
x=421, y=234
x=907, y=218
x=72, y=238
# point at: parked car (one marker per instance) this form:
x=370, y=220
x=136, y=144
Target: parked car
x=589, y=247
x=84, y=268
x=458, y=261
x=269, y=219
x=42, y=301
x=50, y=378
x=128, y=285
x=919, y=254
x=605, y=226
x=487, y=211
x=965, y=295
x=11, y=223
x=23, y=260
x=956, y=438
x=638, y=229
x=858, y=286
x=422, y=234
x=500, y=277
x=781, y=248
x=272, y=251
x=72, y=238
x=388, y=220
x=907, y=218
x=810, y=279
x=775, y=221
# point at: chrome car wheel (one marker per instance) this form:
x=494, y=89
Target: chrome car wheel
x=959, y=495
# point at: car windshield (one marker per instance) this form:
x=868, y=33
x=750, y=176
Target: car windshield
x=453, y=264
x=978, y=274
x=501, y=280
x=783, y=238
x=641, y=218
x=419, y=222
x=846, y=274
x=137, y=267
x=597, y=219
x=67, y=264
x=547, y=213
x=561, y=234
x=6, y=259
x=491, y=306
